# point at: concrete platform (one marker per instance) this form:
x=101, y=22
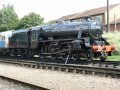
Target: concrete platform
x=59, y=80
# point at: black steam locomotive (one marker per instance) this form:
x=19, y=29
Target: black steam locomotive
x=66, y=40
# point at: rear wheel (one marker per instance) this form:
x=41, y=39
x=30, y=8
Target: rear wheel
x=75, y=56
x=53, y=48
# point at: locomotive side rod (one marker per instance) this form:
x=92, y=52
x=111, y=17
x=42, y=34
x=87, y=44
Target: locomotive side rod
x=56, y=52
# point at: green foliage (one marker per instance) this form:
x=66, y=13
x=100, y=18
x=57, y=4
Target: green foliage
x=51, y=22
x=114, y=38
x=30, y=20
x=10, y=21
x=8, y=18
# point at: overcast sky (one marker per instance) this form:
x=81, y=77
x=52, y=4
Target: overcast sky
x=54, y=9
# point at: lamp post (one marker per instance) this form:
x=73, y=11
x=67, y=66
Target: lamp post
x=108, y=24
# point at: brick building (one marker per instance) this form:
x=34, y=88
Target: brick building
x=99, y=14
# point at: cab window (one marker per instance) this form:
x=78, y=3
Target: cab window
x=3, y=37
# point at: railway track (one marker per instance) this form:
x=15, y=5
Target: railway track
x=18, y=83
x=108, y=68
x=97, y=63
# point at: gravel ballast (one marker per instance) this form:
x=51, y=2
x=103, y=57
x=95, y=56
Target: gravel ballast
x=55, y=80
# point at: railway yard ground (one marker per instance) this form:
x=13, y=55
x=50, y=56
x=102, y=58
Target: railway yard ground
x=57, y=80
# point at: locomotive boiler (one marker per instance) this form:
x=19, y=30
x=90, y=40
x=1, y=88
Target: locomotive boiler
x=71, y=29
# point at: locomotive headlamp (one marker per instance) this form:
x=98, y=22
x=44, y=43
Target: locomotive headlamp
x=95, y=30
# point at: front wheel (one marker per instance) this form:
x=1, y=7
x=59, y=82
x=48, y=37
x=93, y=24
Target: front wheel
x=90, y=54
x=103, y=56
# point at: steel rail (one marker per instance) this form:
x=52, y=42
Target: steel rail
x=35, y=87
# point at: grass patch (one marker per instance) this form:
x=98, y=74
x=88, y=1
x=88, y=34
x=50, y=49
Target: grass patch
x=114, y=39
x=114, y=58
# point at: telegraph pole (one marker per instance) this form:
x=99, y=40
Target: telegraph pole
x=108, y=23
x=115, y=22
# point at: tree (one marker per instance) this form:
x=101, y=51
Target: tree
x=51, y=22
x=30, y=20
x=8, y=18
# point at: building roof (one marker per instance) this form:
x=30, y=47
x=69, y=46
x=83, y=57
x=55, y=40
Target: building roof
x=91, y=12
x=67, y=17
